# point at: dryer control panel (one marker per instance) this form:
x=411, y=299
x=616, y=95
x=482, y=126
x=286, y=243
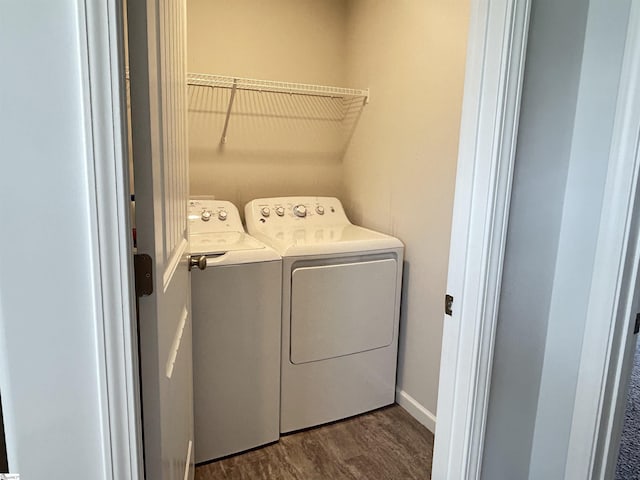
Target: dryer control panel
x=213, y=216
x=295, y=211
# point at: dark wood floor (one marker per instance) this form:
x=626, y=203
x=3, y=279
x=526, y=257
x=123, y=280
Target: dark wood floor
x=387, y=444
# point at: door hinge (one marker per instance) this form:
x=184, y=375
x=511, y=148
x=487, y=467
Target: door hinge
x=636, y=329
x=448, y=304
x=143, y=270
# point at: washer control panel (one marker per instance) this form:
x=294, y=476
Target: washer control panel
x=284, y=211
x=212, y=216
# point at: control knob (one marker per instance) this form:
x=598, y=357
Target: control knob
x=280, y=211
x=320, y=210
x=265, y=211
x=300, y=211
x=222, y=215
x=206, y=215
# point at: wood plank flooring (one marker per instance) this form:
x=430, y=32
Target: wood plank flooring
x=387, y=444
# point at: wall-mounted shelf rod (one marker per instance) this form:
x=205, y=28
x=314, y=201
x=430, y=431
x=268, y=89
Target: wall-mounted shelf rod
x=236, y=83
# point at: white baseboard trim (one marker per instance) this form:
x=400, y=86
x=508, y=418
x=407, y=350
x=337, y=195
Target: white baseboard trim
x=416, y=410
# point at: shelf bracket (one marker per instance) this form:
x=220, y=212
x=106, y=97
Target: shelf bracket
x=223, y=140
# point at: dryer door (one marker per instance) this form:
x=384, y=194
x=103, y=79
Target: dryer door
x=342, y=309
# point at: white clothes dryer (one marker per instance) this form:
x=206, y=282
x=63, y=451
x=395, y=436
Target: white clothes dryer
x=341, y=287
x=235, y=295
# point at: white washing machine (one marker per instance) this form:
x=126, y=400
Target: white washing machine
x=341, y=287
x=236, y=298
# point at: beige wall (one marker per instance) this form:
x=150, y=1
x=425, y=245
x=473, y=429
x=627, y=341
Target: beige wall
x=399, y=171
x=267, y=153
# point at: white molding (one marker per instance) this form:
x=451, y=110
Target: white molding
x=188, y=463
x=416, y=410
x=175, y=345
x=102, y=72
x=175, y=260
x=493, y=82
x=606, y=344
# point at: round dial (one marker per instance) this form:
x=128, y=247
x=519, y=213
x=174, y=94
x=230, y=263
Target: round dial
x=265, y=211
x=206, y=215
x=222, y=215
x=300, y=211
x=320, y=210
x=280, y=211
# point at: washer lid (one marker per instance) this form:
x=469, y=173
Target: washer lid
x=326, y=240
x=222, y=242
x=230, y=248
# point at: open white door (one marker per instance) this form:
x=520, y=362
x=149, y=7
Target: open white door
x=157, y=58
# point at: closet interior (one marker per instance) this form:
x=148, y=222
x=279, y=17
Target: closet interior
x=355, y=99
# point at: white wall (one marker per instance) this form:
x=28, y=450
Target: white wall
x=570, y=86
x=49, y=374
x=299, y=41
x=591, y=142
x=399, y=170
x=551, y=77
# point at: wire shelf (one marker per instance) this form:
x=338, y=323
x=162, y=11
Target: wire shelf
x=334, y=108
x=207, y=80
x=339, y=106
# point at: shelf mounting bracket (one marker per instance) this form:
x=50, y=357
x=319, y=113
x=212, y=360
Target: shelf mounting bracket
x=223, y=140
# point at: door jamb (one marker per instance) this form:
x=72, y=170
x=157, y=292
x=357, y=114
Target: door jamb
x=602, y=379
x=489, y=126
x=102, y=70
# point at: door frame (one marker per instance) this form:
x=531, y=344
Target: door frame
x=488, y=132
x=103, y=75
x=608, y=346
x=487, y=142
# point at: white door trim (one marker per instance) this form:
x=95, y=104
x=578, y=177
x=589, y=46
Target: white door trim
x=602, y=379
x=490, y=113
x=102, y=65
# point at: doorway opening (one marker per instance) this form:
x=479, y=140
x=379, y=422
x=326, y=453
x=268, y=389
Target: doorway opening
x=396, y=152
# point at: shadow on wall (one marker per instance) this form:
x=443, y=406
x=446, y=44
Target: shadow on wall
x=265, y=122
x=404, y=308
x=276, y=144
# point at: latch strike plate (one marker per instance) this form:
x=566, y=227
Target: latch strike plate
x=636, y=329
x=448, y=304
x=143, y=269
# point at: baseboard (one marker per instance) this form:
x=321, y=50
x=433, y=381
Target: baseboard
x=416, y=410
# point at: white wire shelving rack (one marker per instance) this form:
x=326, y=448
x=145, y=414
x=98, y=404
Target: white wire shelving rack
x=352, y=100
x=207, y=80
